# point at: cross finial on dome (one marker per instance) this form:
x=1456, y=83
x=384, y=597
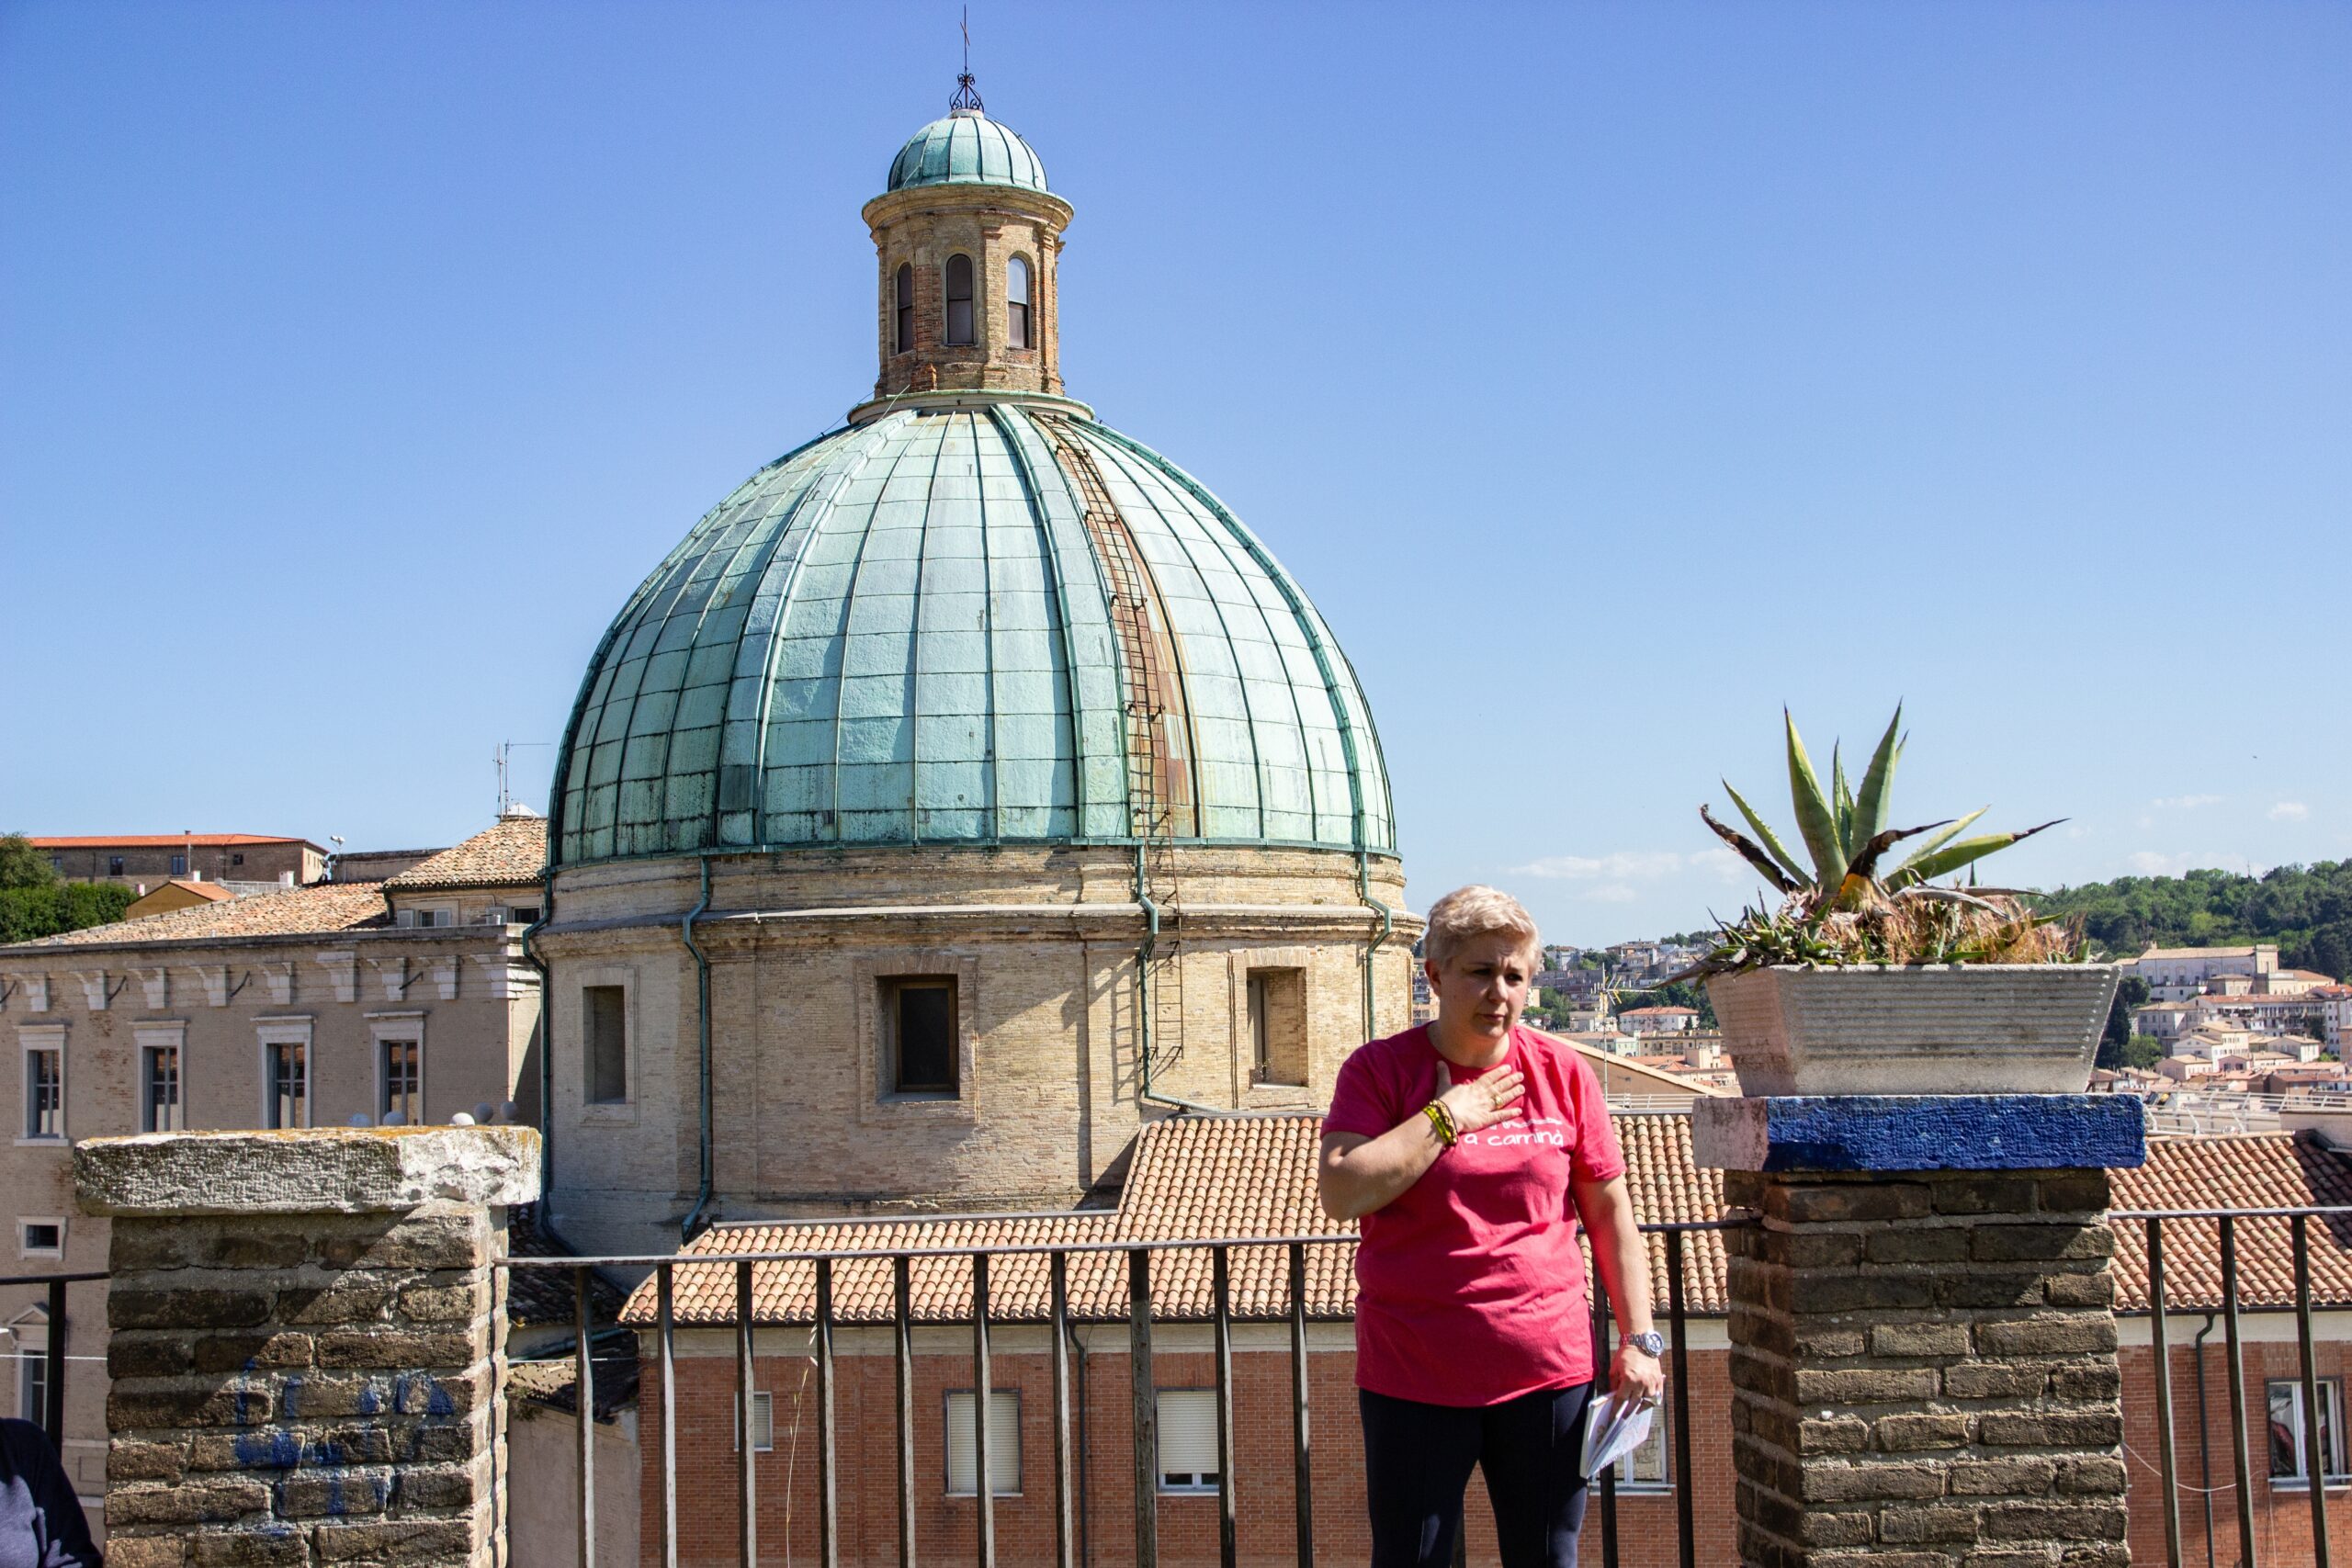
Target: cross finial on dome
x=966, y=100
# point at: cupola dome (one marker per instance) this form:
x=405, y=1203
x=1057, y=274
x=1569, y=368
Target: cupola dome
x=967, y=148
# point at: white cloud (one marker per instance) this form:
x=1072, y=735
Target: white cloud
x=2184, y=801
x=2289, y=811
x=1625, y=865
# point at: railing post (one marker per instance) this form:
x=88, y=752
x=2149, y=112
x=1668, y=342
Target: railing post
x=747, y=1493
x=829, y=1544
x=1679, y=1346
x=983, y=1398
x=1057, y=1325
x=2240, y=1459
x=1146, y=1408
x=1221, y=1308
x=903, y=1354
x=666, y=1326
x=1302, y=1470
x=584, y=1387
x=52, y=1397
x=2160, y=1342
x=2313, y=1461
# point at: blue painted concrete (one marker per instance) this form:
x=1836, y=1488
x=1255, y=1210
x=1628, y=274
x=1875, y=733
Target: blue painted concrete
x=1928, y=1132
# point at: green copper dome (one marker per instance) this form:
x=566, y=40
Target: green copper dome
x=993, y=624
x=967, y=149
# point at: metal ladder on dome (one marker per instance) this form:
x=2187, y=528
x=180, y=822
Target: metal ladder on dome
x=1151, y=807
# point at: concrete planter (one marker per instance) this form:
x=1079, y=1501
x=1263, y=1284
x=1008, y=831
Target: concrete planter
x=1929, y=1029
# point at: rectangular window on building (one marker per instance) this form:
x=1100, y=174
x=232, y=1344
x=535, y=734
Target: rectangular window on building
x=41, y=1239
x=44, y=1092
x=401, y=1073
x=114, y=865
x=1644, y=1468
x=523, y=915
x=919, y=1034
x=2288, y=1432
x=160, y=1108
x=1004, y=1443
x=762, y=1424
x=1188, y=1439
x=288, y=1063
x=179, y=866
x=604, y=1018
x=1277, y=1006
x=31, y=1346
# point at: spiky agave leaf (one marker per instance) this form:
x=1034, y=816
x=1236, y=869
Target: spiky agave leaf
x=1871, y=804
x=1751, y=851
x=1859, y=871
x=1816, y=818
x=1904, y=875
x=1951, y=857
x=1770, y=839
x=1843, y=796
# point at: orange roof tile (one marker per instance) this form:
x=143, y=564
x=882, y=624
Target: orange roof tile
x=163, y=841
x=1196, y=1177
x=511, y=853
x=297, y=911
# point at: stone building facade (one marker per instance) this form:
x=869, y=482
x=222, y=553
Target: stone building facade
x=314, y=1007
x=969, y=789
x=146, y=860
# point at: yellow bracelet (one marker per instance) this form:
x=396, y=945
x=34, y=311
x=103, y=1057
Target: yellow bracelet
x=1442, y=1119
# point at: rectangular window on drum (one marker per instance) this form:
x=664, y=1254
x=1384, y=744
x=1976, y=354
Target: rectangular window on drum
x=1016, y=304
x=402, y=1065
x=604, y=1016
x=290, y=1085
x=919, y=1040
x=45, y=1093
x=160, y=1111
x=959, y=299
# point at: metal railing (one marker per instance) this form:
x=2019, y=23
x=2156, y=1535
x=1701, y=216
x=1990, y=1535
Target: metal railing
x=53, y=1358
x=1060, y=1316
x=2314, y=1416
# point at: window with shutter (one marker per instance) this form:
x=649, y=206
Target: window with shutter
x=1004, y=1443
x=959, y=299
x=763, y=1423
x=1188, y=1439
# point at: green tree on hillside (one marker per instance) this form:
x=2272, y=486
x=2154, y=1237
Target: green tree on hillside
x=34, y=903
x=2307, y=910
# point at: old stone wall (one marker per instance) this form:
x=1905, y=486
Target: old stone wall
x=308, y=1338
x=1925, y=1373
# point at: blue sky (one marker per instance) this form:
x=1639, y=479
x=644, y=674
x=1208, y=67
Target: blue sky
x=1610, y=375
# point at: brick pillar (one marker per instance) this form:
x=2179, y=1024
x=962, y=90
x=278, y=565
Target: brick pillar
x=1923, y=1328
x=308, y=1342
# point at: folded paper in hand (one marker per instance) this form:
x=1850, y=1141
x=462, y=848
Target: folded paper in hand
x=1613, y=1428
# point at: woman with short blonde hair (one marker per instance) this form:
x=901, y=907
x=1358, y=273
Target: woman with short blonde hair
x=1470, y=1148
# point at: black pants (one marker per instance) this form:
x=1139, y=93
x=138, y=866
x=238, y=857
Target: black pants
x=1417, y=1459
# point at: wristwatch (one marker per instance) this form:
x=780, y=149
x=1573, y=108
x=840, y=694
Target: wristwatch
x=1652, y=1344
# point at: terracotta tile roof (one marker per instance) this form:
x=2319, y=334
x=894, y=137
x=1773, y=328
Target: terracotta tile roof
x=2263, y=1170
x=513, y=852
x=295, y=911
x=1190, y=1177
x=1659, y=1012
x=1201, y=1177
x=163, y=841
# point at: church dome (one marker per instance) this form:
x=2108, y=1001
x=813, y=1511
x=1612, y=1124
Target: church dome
x=995, y=621
x=967, y=148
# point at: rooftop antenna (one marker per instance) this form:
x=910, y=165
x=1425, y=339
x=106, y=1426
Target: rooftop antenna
x=966, y=100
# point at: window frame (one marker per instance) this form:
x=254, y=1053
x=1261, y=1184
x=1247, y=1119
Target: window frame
x=890, y=989
x=761, y=1399
x=948, y=301
x=270, y=1037
x=30, y=1334
x=49, y=1040
x=1195, y=1486
x=997, y=1393
x=1279, y=1060
x=1020, y=306
x=152, y=1040
x=25, y=1247
x=902, y=309
x=2331, y=1394
x=588, y=1067
x=405, y=1024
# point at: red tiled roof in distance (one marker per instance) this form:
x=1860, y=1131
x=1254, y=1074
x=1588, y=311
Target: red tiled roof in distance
x=511, y=854
x=297, y=911
x=166, y=841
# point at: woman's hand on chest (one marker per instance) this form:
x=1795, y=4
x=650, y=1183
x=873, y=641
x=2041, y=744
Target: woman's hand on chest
x=1484, y=1101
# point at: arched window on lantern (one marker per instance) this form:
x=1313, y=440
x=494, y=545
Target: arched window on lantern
x=906, y=287
x=959, y=299
x=1017, y=305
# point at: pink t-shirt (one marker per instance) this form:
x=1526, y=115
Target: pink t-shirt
x=1470, y=1287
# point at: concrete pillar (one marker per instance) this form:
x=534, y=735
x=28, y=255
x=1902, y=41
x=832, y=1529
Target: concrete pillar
x=1923, y=1328
x=308, y=1342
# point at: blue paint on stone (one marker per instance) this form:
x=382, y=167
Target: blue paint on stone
x=1927, y=1131
x=290, y=1397
x=274, y=1449
x=438, y=1401
x=370, y=1402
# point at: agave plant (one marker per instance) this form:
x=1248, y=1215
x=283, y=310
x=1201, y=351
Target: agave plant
x=1845, y=831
